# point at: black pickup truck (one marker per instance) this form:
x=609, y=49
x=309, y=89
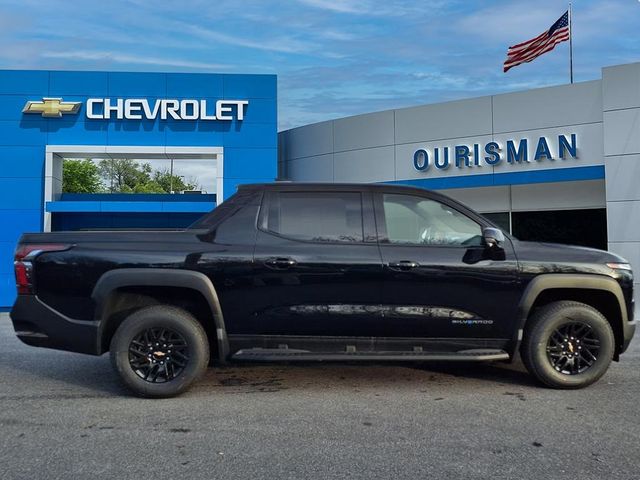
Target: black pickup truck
x=285, y=271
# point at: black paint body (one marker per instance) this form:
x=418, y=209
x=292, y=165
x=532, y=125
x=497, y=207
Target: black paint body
x=269, y=285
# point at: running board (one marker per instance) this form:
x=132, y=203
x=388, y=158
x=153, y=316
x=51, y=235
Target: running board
x=292, y=355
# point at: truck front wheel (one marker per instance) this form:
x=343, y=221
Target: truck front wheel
x=567, y=344
x=159, y=351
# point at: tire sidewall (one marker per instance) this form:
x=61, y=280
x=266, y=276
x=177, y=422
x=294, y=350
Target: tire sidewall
x=164, y=317
x=540, y=337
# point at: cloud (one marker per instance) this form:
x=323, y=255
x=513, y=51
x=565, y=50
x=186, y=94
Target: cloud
x=515, y=24
x=336, y=35
x=277, y=44
x=333, y=57
x=102, y=56
x=340, y=6
x=376, y=8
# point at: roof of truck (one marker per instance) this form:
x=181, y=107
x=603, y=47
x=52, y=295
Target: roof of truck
x=310, y=186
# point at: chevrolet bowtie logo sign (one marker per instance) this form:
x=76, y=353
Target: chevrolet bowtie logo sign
x=52, y=107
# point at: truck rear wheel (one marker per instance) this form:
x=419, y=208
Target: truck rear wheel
x=159, y=351
x=567, y=344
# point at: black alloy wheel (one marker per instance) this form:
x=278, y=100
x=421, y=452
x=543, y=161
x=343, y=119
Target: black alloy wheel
x=567, y=344
x=158, y=355
x=159, y=351
x=573, y=348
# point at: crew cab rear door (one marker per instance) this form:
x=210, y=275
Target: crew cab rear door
x=440, y=280
x=317, y=266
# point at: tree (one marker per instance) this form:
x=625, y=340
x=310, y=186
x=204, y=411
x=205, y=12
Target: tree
x=124, y=175
x=128, y=176
x=170, y=183
x=80, y=176
x=149, y=187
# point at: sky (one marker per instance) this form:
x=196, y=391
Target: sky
x=333, y=58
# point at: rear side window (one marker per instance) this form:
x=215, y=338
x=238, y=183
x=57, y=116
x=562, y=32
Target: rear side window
x=316, y=216
x=239, y=228
x=228, y=208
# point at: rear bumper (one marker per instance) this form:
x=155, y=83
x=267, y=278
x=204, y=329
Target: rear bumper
x=39, y=325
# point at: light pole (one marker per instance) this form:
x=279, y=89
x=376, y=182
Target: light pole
x=171, y=177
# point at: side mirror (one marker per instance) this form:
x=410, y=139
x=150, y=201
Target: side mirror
x=493, y=237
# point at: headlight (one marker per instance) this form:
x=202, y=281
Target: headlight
x=619, y=266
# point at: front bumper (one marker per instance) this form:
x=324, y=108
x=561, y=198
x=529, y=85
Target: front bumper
x=628, y=329
x=39, y=325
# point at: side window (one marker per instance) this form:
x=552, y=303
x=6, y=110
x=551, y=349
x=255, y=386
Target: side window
x=226, y=208
x=413, y=220
x=239, y=228
x=316, y=216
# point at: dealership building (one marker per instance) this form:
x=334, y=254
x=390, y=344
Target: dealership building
x=222, y=125
x=556, y=164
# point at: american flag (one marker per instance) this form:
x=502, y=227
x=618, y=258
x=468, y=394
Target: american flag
x=546, y=41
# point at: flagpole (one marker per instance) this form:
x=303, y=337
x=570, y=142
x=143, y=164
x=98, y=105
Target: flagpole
x=570, y=45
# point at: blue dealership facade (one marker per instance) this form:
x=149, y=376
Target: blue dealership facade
x=561, y=160
x=46, y=116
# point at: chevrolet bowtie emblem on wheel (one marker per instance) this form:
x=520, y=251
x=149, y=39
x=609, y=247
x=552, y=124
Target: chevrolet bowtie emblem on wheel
x=51, y=107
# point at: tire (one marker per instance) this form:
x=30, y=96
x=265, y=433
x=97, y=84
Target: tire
x=142, y=346
x=551, y=356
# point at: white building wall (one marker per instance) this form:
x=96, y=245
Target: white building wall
x=534, y=197
x=379, y=147
x=621, y=106
x=604, y=114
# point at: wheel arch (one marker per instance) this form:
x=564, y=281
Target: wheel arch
x=598, y=291
x=114, y=282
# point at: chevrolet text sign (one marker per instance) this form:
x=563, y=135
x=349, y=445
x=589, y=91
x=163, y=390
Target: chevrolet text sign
x=142, y=109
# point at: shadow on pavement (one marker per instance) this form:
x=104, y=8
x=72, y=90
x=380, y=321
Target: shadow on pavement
x=50, y=369
x=514, y=374
x=94, y=377
x=272, y=377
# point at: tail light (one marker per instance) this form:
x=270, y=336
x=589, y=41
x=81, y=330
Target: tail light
x=23, y=263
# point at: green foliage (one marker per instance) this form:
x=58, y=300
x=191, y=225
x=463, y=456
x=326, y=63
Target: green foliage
x=170, y=183
x=120, y=176
x=80, y=176
x=123, y=176
x=149, y=187
x=128, y=176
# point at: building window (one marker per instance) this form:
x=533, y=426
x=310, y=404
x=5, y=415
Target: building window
x=501, y=219
x=573, y=227
x=130, y=175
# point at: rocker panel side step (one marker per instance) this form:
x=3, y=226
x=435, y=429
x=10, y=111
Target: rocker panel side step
x=292, y=355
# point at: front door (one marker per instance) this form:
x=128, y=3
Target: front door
x=317, y=266
x=440, y=281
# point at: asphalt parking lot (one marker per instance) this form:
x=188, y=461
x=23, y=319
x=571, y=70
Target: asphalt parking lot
x=65, y=416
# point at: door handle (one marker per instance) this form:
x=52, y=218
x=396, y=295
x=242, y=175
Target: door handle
x=403, y=265
x=280, y=263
